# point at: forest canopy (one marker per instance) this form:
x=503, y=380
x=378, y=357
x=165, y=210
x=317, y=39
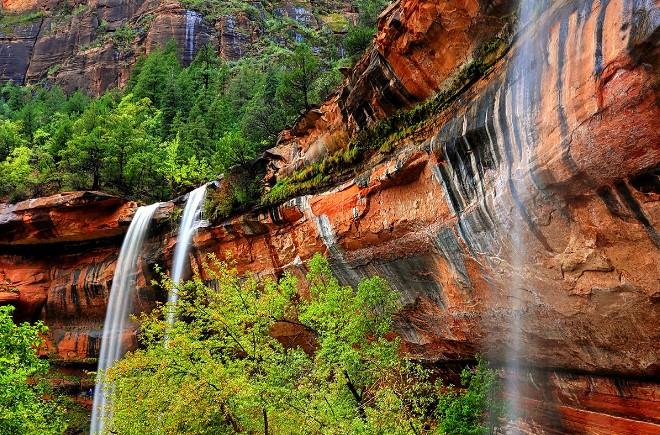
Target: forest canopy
x=171, y=127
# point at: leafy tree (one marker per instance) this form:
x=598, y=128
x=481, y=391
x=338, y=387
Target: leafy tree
x=265, y=117
x=207, y=68
x=233, y=149
x=357, y=40
x=296, y=88
x=17, y=174
x=225, y=373
x=243, y=87
x=477, y=410
x=129, y=130
x=77, y=103
x=22, y=407
x=154, y=71
x=359, y=37
x=369, y=11
x=85, y=152
x=10, y=137
x=182, y=171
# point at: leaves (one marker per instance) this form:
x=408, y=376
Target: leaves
x=22, y=407
x=222, y=370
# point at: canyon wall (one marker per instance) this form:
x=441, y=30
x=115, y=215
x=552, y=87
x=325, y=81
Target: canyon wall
x=521, y=220
x=92, y=45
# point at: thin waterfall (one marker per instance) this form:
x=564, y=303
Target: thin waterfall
x=523, y=60
x=192, y=20
x=118, y=312
x=191, y=220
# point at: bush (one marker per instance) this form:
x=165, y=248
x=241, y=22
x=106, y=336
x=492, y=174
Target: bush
x=224, y=372
x=22, y=407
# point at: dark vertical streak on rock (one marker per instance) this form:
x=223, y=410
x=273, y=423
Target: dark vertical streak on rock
x=62, y=295
x=456, y=204
x=637, y=211
x=527, y=218
x=563, y=126
x=514, y=191
x=534, y=96
x=598, y=55
x=490, y=128
x=504, y=125
x=611, y=203
x=447, y=243
x=75, y=297
x=89, y=280
x=514, y=89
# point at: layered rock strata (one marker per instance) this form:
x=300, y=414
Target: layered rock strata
x=76, y=44
x=521, y=222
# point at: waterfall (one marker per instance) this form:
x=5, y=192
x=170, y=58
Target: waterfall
x=192, y=19
x=520, y=118
x=118, y=312
x=191, y=220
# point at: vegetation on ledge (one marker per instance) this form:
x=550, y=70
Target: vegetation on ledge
x=384, y=136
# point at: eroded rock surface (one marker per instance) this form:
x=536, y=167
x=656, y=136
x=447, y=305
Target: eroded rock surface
x=74, y=44
x=526, y=212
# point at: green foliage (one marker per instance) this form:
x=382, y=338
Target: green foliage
x=359, y=38
x=302, y=70
x=10, y=137
x=478, y=409
x=9, y=20
x=198, y=120
x=22, y=407
x=123, y=36
x=17, y=174
x=369, y=11
x=224, y=372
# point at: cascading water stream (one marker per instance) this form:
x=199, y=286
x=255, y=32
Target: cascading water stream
x=118, y=312
x=191, y=220
x=192, y=20
x=521, y=120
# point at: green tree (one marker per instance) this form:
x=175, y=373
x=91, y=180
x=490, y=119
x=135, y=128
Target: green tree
x=265, y=117
x=22, y=407
x=129, y=130
x=357, y=40
x=233, y=149
x=225, y=372
x=296, y=88
x=359, y=37
x=85, y=152
x=369, y=11
x=243, y=87
x=479, y=409
x=10, y=137
x=17, y=174
x=77, y=103
x=182, y=171
x=154, y=71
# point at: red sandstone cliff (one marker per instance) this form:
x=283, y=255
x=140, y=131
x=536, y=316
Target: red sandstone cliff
x=73, y=43
x=530, y=206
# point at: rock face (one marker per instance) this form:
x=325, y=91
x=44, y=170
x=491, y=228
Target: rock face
x=520, y=222
x=75, y=44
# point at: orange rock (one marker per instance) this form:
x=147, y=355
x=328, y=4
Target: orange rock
x=529, y=208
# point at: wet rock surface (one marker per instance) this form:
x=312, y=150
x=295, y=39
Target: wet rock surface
x=529, y=207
